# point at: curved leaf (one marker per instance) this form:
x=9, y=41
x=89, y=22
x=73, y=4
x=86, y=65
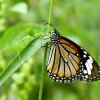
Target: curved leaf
x=23, y=56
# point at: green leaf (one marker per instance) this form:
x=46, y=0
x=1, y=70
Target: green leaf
x=23, y=56
x=16, y=33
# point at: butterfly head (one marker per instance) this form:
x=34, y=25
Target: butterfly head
x=55, y=36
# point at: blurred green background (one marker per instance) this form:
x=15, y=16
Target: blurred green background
x=78, y=20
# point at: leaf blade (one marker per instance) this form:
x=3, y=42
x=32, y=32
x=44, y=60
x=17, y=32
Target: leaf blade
x=25, y=54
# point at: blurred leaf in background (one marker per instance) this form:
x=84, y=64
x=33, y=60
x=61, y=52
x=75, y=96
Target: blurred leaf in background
x=20, y=23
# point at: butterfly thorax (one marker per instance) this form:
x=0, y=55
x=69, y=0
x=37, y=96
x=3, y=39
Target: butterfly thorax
x=55, y=38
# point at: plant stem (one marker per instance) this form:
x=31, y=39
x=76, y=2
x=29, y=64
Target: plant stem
x=49, y=19
x=45, y=53
x=42, y=75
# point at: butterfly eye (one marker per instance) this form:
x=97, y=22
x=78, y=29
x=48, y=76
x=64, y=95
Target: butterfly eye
x=69, y=62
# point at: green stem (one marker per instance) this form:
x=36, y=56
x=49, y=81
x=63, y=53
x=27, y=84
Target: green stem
x=44, y=62
x=49, y=19
x=42, y=75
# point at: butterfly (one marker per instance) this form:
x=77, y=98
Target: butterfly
x=68, y=62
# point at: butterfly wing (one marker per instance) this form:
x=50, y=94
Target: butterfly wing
x=68, y=62
x=91, y=70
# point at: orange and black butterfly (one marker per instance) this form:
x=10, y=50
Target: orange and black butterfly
x=69, y=62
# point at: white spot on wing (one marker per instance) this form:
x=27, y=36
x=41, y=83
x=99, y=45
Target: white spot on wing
x=85, y=52
x=90, y=63
x=86, y=76
x=91, y=60
x=84, y=71
x=84, y=56
x=90, y=57
x=88, y=68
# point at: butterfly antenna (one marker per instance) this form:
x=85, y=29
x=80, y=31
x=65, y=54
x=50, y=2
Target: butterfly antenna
x=46, y=23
